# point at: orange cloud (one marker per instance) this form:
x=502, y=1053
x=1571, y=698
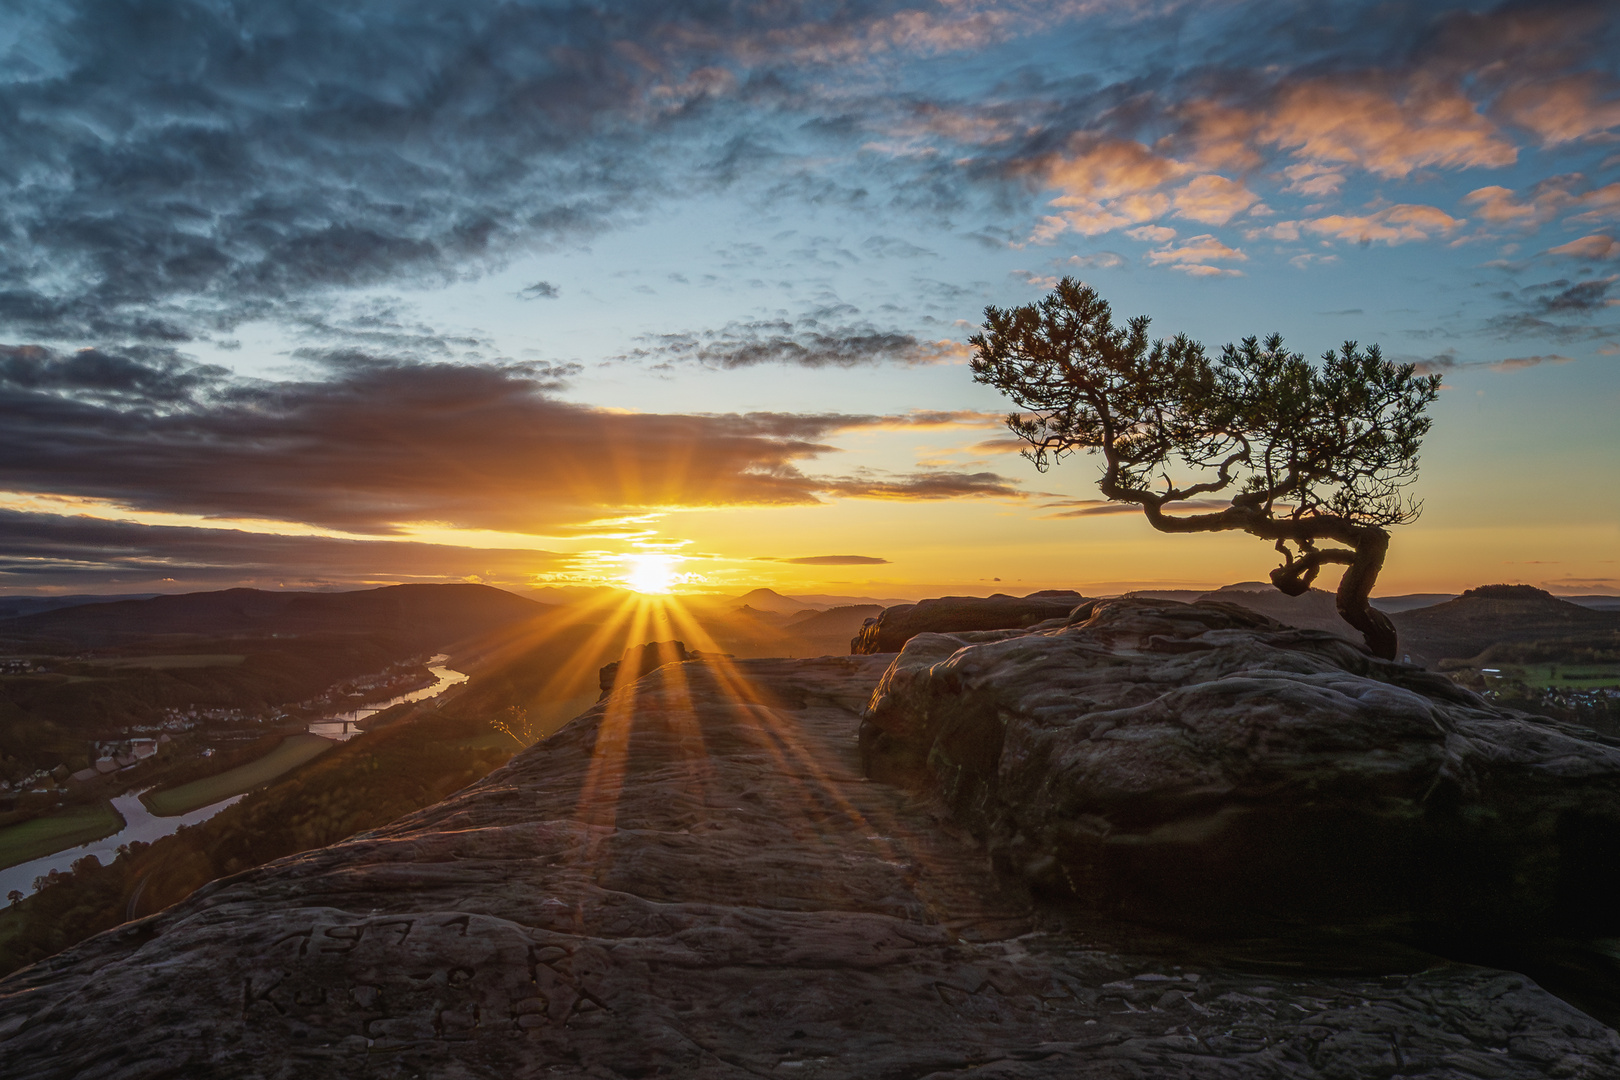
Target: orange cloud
x=1196, y=254
x=1597, y=246
x=1216, y=135
x=1597, y=206
x=1213, y=199
x=1110, y=167
x=1501, y=206
x=1313, y=180
x=1107, y=184
x=1547, y=200
x=1381, y=130
x=1153, y=234
x=1392, y=225
x=1561, y=110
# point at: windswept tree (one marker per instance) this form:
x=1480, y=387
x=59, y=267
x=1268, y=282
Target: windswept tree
x=1313, y=457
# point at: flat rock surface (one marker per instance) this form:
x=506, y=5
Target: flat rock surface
x=694, y=879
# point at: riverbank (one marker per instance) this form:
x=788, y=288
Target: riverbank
x=140, y=825
x=150, y=815
x=293, y=752
x=30, y=840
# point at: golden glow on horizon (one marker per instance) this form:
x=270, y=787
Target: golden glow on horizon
x=651, y=572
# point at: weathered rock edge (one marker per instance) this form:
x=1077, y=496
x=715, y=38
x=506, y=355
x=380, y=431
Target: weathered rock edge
x=694, y=880
x=1202, y=765
x=892, y=627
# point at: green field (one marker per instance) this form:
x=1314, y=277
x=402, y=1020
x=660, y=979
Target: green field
x=293, y=752
x=57, y=832
x=1565, y=676
x=181, y=660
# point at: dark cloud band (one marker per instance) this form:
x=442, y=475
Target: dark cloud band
x=383, y=442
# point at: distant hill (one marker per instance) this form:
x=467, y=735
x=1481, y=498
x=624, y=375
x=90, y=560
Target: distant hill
x=1389, y=605
x=833, y=628
x=14, y=607
x=1311, y=610
x=427, y=614
x=824, y=601
x=1494, y=614
x=771, y=600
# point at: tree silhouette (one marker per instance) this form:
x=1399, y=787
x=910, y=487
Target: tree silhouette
x=1302, y=455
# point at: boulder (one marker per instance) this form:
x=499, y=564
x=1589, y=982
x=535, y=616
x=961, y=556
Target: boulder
x=895, y=626
x=1203, y=766
x=693, y=879
x=638, y=660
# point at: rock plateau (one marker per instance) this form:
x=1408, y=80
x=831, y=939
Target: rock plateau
x=696, y=879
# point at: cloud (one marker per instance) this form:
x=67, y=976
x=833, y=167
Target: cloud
x=1562, y=110
x=1582, y=296
x=1039, y=281
x=1387, y=128
x=1000, y=446
x=1212, y=199
x=1078, y=508
x=174, y=173
x=942, y=484
x=42, y=550
x=832, y=560
x=1194, y=256
x=1392, y=225
x=382, y=442
x=540, y=290
x=175, y=170
x=1100, y=260
x=168, y=185
x=1105, y=184
x=1569, y=194
x=1448, y=361
x=1517, y=363
x=1152, y=234
x=816, y=340
x=1313, y=180
x=1597, y=246
x=890, y=247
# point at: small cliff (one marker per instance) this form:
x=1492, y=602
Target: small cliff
x=696, y=878
x=1206, y=767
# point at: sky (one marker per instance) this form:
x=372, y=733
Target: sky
x=356, y=292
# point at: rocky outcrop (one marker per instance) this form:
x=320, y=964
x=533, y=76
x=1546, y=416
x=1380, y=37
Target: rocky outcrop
x=895, y=626
x=638, y=660
x=1201, y=765
x=694, y=879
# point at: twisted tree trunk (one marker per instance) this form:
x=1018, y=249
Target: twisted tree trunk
x=1362, y=563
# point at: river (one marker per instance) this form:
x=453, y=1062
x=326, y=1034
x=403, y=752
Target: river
x=141, y=824
x=342, y=726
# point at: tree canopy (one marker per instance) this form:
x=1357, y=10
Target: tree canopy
x=1304, y=455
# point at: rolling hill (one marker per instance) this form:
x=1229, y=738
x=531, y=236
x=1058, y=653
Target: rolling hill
x=1496, y=614
x=426, y=615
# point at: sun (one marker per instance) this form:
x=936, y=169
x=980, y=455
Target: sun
x=651, y=572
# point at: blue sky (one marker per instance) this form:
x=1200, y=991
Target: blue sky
x=299, y=294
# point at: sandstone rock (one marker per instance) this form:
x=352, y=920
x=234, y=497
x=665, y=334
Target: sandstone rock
x=1201, y=765
x=693, y=879
x=889, y=631
x=638, y=660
